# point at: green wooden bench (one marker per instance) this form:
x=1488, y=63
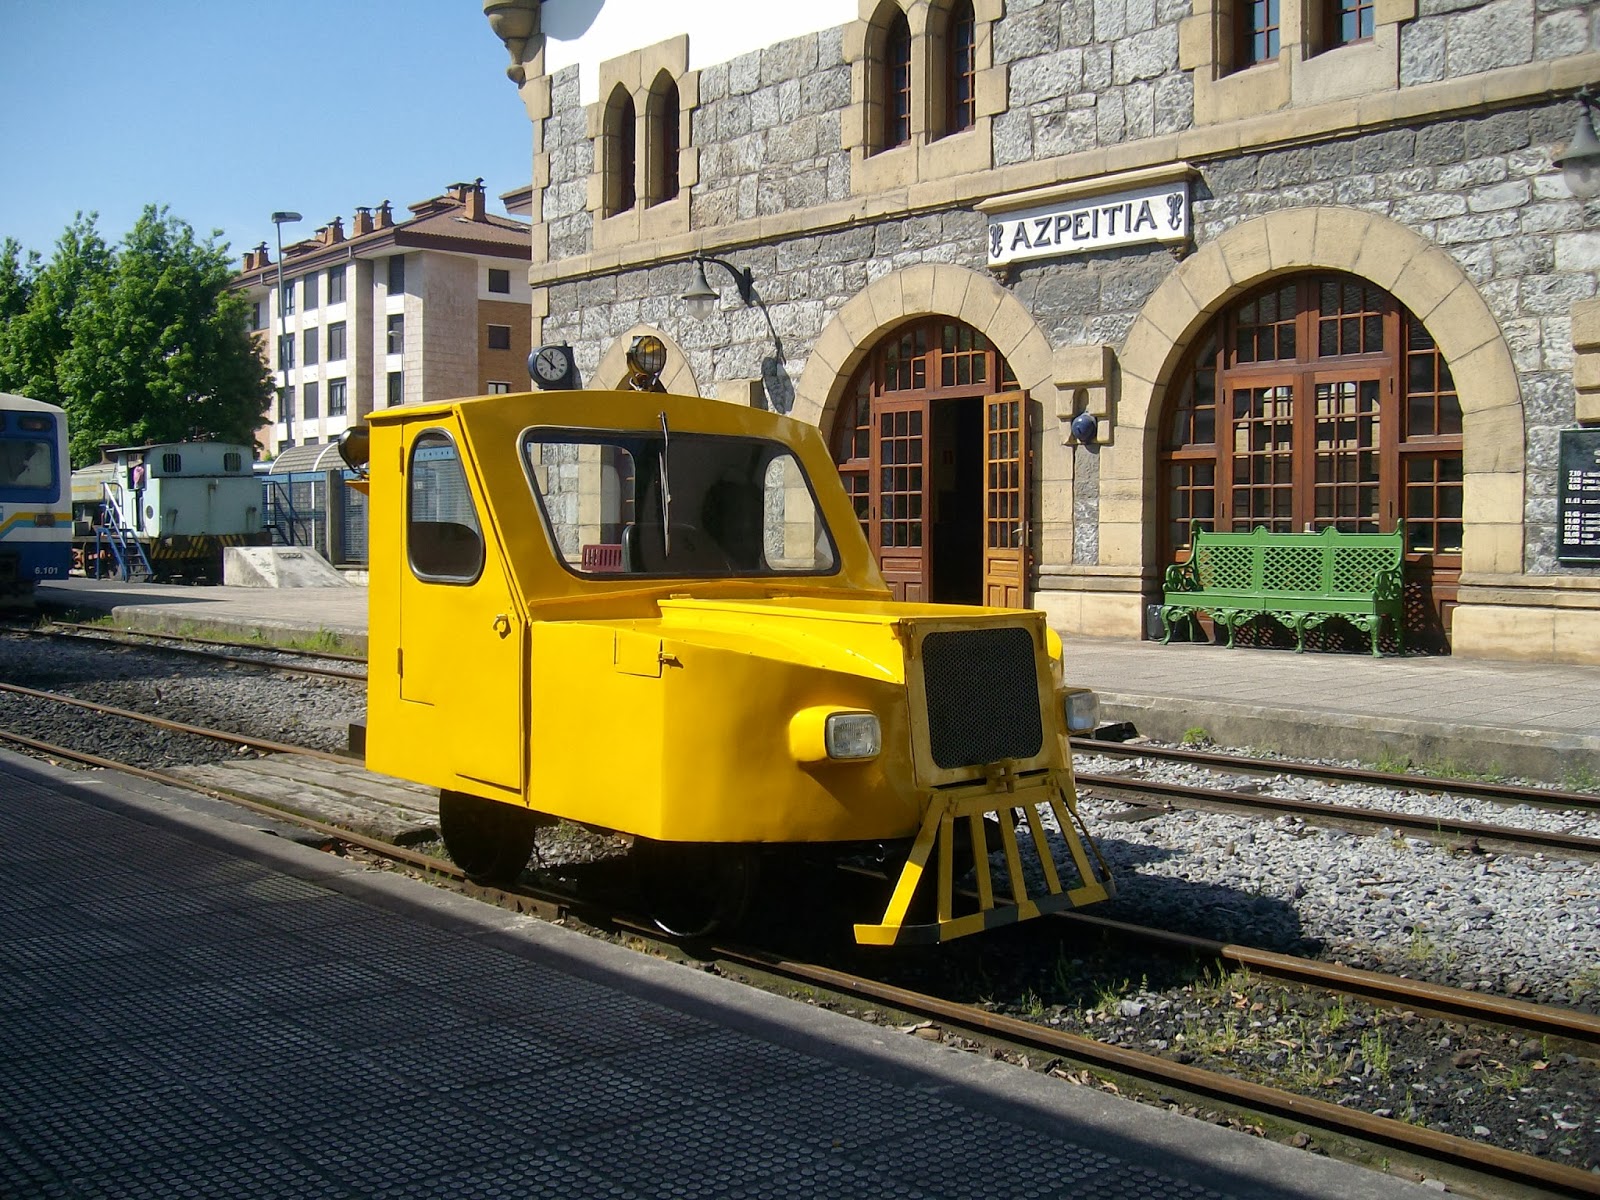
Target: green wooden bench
x=1298, y=579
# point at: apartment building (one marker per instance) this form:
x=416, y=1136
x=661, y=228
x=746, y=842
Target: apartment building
x=391, y=312
x=1060, y=280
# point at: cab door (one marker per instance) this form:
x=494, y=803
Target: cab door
x=1005, y=500
x=463, y=635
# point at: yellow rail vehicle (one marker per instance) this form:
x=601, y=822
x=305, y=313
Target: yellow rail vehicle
x=657, y=615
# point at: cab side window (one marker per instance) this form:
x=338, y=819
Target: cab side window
x=444, y=540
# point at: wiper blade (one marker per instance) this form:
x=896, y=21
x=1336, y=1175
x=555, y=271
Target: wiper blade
x=666, y=490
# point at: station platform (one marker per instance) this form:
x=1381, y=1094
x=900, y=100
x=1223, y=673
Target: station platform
x=1520, y=720
x=194, y=1004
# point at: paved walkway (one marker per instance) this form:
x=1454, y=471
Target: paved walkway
x=191, y=1006
x=1535, y=720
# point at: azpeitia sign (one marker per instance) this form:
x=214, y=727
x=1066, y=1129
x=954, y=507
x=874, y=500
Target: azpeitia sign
x=1159, y=213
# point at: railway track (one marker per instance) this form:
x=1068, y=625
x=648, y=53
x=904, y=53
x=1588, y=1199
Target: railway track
x=1156, y=1072
x=246, y=654
x=1145, y=792
x=1497, y=792
x=1188, y=794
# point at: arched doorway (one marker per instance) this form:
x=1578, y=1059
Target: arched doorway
x=1320, y=400
x=931, y=441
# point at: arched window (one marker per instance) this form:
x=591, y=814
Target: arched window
x=893, y=68
x=1318, y=401
x=621, y=158
x=960, y=68
x=662, y=143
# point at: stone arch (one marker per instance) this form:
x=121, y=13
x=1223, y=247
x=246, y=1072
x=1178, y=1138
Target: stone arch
x=1424, y=278
x=612, y=372
x=974, y=298
x=924, y=290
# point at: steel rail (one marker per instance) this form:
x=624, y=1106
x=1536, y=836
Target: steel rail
x=130, y=634
x=212, y=655
x=1428, y=1143
x=1370, y=985
x=236, y=739
x=1517, y=792
x=1339, y=812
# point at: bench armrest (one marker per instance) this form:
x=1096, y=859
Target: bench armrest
x=1182, y=577
x=1388, y=583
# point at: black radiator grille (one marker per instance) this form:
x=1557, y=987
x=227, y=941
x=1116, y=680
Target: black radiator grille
x=983, y=696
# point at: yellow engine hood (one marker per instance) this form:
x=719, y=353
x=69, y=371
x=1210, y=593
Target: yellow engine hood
x=866, y=638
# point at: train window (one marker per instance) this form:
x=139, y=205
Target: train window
x=26, y=464
x=171, y=464
x=733, y=506
x=443, y=536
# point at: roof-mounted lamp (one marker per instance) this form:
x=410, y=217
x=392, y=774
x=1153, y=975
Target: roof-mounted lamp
x=1580, y=161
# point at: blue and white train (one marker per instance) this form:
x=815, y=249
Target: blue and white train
x=35, y=496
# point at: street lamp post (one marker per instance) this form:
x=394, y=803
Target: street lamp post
x=278, y=220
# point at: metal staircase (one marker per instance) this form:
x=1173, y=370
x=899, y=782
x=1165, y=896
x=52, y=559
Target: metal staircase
x=116, y=539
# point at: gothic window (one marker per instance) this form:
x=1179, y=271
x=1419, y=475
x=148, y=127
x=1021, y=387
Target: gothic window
x=621, y=159
x=662, y=142
x=897, y=82
x=960, y=68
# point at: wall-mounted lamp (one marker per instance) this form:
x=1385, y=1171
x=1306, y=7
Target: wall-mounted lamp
x=1580, y=161
x=1084, y=428
x=700, y=301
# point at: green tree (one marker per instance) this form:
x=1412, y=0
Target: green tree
x=159, y=350
x=16, y=279
x=38, y=301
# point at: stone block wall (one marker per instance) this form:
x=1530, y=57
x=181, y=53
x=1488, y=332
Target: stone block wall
x=1085, y=75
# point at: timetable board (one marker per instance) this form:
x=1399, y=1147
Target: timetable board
x=1578, y=497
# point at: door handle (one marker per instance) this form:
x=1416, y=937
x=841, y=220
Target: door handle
x=502, y=624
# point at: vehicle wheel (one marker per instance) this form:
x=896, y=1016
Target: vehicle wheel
x=490, y=841
x=694, y=889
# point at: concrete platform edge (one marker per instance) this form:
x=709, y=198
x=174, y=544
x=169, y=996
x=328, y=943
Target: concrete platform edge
x=1306, y=733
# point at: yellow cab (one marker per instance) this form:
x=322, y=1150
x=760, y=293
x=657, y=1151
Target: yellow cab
x=658, y=616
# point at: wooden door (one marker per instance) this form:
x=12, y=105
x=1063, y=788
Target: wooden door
x=899, y=525
x=1005, y=500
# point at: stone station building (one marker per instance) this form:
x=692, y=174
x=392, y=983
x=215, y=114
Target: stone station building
x=1292, y=263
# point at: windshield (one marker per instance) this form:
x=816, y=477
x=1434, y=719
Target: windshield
x=26, y=464
x=736, y=507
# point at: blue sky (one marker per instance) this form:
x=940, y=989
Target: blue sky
x=225, y=111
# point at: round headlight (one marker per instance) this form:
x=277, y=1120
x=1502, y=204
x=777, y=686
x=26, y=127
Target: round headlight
x=648, y=355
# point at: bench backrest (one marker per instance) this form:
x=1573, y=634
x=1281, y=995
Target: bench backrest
x=1331, y=562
